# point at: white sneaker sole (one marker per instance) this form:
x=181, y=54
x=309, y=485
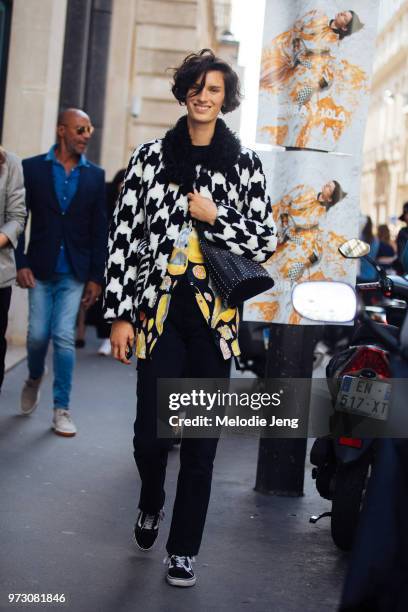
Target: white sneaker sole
x=181, y=582
x=29, y=412
x=64, y=434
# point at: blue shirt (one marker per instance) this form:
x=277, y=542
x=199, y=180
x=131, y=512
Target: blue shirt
x=66, y=186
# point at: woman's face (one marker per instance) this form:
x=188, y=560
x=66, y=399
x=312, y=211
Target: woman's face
x=205, y=106
x=327, y=191
x=342, y=20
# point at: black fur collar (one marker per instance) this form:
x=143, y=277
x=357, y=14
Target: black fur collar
x=222, y=154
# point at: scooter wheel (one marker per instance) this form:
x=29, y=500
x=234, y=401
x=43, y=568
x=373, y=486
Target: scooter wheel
x=350, y=485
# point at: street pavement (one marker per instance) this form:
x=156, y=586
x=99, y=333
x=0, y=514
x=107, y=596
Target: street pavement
x=68, y=506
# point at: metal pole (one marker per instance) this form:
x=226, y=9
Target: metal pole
x=281, y=462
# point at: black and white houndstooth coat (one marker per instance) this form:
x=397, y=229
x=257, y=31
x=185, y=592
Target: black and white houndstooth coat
x=153, y=208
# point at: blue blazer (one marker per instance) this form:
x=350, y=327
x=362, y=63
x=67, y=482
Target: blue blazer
x=83, y=226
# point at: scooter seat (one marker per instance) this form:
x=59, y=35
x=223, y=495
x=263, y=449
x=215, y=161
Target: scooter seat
x=363, y=334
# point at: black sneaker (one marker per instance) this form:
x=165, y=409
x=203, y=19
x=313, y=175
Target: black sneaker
x=147, y=529
x=180, y=572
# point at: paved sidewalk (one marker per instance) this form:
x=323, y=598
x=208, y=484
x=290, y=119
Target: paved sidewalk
x=68, y=506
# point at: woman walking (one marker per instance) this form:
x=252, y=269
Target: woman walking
x=12, y=217
x=159, y=292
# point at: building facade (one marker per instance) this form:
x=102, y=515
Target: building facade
x=385, y=161
x=148, y=38
x=109, y=57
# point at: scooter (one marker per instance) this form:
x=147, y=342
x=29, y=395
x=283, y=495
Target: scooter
x=376, y=578
x=342, y=464
x=355, y=376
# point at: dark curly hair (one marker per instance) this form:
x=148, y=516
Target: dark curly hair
x=352, y=27
x=197, y=65
x=338, y=193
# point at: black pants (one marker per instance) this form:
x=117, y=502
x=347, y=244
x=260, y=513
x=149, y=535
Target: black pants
x=5, y=297
x=185, y=349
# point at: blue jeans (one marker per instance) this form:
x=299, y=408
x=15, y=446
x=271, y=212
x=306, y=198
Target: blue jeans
x=53, y=309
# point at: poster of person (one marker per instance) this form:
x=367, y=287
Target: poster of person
x=315, y=73
x=315, y=208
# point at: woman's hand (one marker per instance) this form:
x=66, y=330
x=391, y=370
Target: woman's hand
x=122, y=337
x=202, y=208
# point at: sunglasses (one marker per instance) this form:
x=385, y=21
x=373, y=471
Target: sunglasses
x=82, y=129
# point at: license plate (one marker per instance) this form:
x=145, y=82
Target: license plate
x=364, y=397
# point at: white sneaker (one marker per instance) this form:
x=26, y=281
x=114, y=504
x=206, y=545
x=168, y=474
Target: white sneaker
x=62, y=423
x=30, y=395
x=105, y=348
x=180, y=571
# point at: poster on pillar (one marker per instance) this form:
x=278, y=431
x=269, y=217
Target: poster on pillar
x=315, y=73
x=315, y=209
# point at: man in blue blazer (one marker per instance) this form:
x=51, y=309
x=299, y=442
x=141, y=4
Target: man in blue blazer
x=64, y=260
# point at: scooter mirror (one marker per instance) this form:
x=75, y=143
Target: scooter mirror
x=354, y=248
x=325, y=301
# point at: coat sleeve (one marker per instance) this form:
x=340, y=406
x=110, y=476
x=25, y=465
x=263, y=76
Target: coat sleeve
x=20, y=252
x=15, y=208
x=251, y=232
x=125, y=233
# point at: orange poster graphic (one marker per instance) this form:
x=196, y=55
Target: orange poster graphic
x=314, y=79
x=313, y=218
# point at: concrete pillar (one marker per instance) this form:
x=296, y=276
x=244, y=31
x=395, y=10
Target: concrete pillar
x=85, y=63
x=118, y=85
x=32, y=94
x=34, y=74
x=74, y=64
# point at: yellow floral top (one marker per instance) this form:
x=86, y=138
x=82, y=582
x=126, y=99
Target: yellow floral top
x=187, y=258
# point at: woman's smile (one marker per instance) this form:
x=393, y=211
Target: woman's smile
x=201, y=108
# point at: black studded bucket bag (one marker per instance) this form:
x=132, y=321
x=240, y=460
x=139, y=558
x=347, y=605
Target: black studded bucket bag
x=236, y=278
